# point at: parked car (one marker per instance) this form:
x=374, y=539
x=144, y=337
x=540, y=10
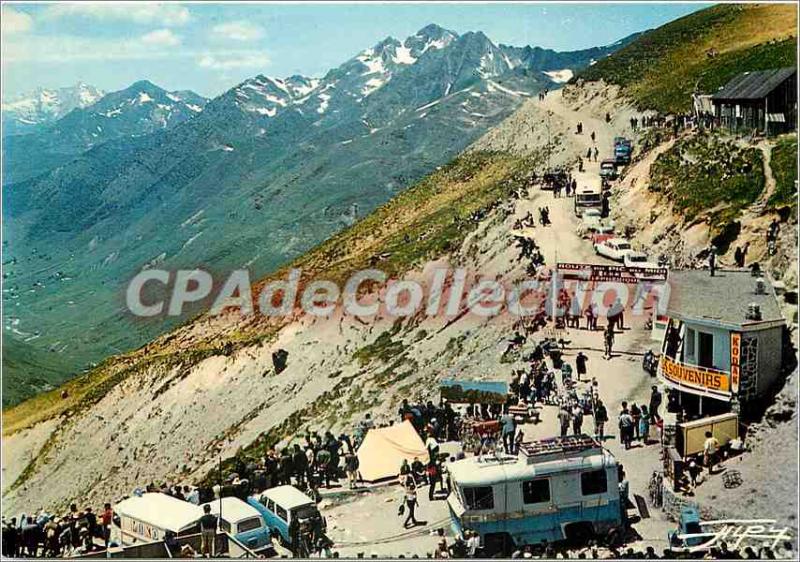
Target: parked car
x=638, y=259
x=290, y=513
x=688, y=524
x=608, y=169
x=592, y=222
x=600, y=237
x=244, y=522
x=622, y=150
x=613, y=248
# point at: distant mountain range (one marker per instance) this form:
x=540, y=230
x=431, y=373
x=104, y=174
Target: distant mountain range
x=265, y=171
x=140, y=109
x=25, y=112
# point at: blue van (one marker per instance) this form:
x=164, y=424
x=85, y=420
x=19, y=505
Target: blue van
x=285, y=509
x=244, y=522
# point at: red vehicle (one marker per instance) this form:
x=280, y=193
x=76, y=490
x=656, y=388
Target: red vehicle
x=597, y=238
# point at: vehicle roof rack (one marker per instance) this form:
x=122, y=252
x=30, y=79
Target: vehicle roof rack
x=558, y=447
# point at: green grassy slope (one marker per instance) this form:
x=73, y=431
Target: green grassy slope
x=700, y=52
x=705, y=175
x=427, y=221
x=784, y=168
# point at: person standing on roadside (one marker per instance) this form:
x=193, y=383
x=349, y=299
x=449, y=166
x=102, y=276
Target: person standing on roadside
x=564, y=418
x=580, y=364
x=655, y=404
x=608, y=340
x=710, y=448
x=208, y=532
x=600, y=419
x=410, y=499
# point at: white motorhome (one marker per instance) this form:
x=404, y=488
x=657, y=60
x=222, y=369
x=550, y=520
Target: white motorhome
x=555, y=489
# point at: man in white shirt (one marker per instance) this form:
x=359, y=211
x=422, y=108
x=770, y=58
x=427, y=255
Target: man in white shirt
x=473, y=543
x=710, y=448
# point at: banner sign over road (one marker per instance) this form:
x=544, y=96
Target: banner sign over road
x=611, y=273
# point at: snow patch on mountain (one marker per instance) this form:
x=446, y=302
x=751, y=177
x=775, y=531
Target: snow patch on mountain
x=560, y=76
x=403, y=56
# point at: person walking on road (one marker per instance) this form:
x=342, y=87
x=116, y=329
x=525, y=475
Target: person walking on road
x=580, y=364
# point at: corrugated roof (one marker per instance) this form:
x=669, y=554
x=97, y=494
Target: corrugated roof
x=754, y=85
x=722, y=299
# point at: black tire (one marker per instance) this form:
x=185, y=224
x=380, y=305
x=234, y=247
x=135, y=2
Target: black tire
x=579, y=533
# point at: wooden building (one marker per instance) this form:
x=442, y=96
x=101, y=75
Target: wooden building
x=723, y=340
x=763, y=101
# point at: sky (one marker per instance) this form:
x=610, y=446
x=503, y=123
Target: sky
x=209, y=47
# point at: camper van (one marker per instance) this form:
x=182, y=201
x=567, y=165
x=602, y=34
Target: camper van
x=287, y=511
x=147, y=518
x=555, y=489
x=587, y=198
x=243, y=521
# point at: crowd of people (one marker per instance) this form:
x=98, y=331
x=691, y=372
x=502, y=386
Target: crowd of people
x=74, y=533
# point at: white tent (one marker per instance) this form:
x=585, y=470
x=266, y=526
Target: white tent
x=384, y=449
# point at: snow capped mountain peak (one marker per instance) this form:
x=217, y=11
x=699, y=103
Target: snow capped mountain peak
x=45, y=105
x=430, y=37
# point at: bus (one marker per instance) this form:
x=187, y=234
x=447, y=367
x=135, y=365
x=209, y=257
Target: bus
x=588, y=198
x=555, y=489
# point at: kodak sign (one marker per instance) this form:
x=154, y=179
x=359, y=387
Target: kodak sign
x=736, y=360
x=690, y=375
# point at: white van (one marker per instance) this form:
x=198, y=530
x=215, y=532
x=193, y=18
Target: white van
x=243, y=521
x=587, y=198
x=148, y=517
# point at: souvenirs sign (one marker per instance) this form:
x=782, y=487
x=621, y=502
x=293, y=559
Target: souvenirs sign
x=693, y=376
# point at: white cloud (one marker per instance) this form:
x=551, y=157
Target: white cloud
x=227, y=60
x=161, y=37
x=239, y=30
x=167, y=15
x=14, y=21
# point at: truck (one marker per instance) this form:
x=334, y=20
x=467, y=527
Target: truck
x=622, y=150
x=564, y=488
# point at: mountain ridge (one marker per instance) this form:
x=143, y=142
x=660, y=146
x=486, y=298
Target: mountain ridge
x=292, y=160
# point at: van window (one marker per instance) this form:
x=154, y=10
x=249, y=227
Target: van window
x=248, y=524
x=271, y=505
x=536, y=491
x=479, y=497
x=224, y=525
x=280, y=512
x=594, y=482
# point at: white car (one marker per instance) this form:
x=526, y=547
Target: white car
x=592, y=222
x=613, y=248
x=638, y=259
